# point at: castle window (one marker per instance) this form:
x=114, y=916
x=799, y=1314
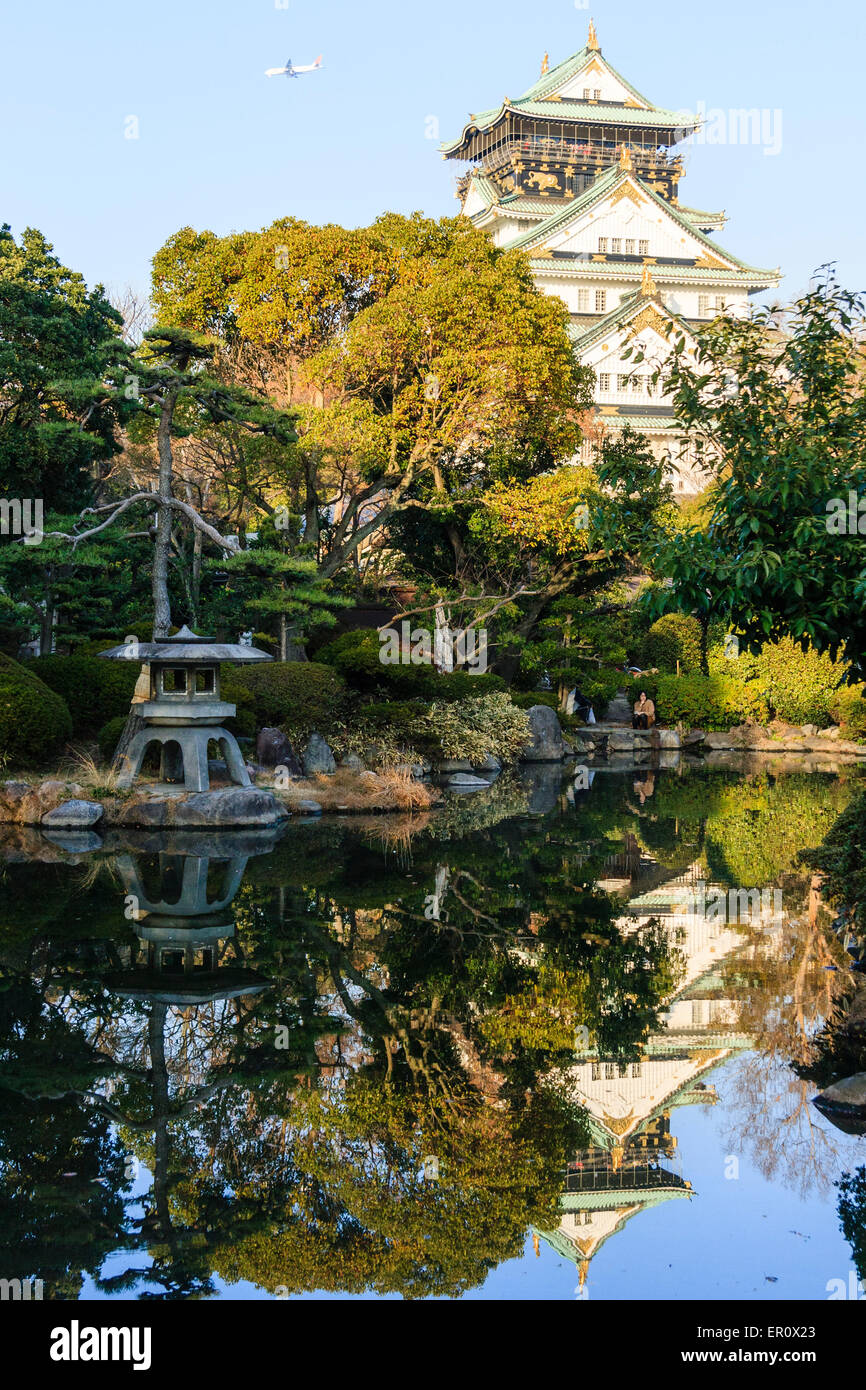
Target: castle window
x=643, y=248
x=583, y=301
x=616, y=245
x=703, y=306
x=637, y=385
x=600, y=301
x=602, y=244
x=635, y=1068
x=604, y=381
x=586, y=94
x=622, y=382
x=609, y=1071
x=596, y=96
x=596, y=1071
x=629, y=246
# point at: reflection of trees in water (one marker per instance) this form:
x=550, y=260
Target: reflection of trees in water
x=788, y=981
x=409, y=1036
x=429, y=1004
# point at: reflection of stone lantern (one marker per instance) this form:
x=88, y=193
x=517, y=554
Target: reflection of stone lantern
x=180, y=895
x=182, y=710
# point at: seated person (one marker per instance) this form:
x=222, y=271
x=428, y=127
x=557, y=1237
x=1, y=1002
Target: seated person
x=644, y=713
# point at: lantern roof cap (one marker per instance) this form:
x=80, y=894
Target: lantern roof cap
x=185, y=646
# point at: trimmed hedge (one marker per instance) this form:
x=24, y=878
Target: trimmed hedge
x=525, y=699
x=34, y=719
x=701, y=702
x=672, y=638
x=848, y=708
x=296, y=696
x=799, y=686
x=356, y=656
x=94, y=690
x=109, y=736
x=600, y=686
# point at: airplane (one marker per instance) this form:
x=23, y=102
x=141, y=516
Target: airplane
x=289, y=71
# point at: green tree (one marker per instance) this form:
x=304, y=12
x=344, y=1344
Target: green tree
x=777, y=404
x=63, y=368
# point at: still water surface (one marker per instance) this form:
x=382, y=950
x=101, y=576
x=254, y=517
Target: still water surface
x=513, y=1049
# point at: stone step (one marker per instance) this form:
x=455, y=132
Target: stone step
x=618, y=711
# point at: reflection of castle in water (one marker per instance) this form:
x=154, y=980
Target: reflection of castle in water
x=179, y=898
x=632, y=1162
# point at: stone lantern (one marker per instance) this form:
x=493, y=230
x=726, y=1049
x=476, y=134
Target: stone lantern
x=178, y=698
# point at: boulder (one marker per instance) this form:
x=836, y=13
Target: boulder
x=273, y=749
x=308, y=807
x=850, y=1092
x=453, y=765
x=223, y=806
x=546, y=745
x=26, y=805
x=844, y=1103
x=73, y=815
x=720, y=740
x=490, y=764
x=317, y=757
x=668, y=738
x=693, y=737
x=810, y=730
x=465, y=782
x=352, y=763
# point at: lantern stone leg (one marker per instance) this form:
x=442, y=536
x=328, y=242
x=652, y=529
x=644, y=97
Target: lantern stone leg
x=184, y=752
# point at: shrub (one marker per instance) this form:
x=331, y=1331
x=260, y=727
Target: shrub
x=356, y=656
x=600, y=686
x=848, y=708
x=234, y=692
x=296, y=696
x=95, y=690
x=799, y=686
x=474, y=729
x=674, y=637
x=525, y=699
x=701, y=702
x=109, y=736
x=34, y=719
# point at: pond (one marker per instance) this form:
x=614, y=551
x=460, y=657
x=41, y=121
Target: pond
x=557, y=1041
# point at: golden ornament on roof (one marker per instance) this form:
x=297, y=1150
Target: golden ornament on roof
x=592, y=41
x=648, y=285
x=545, y=64
x=626, y=163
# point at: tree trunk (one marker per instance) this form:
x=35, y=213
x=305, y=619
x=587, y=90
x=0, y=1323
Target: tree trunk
x=508, y=662
x=705, y=643
x=46, y=628
x=162, y=545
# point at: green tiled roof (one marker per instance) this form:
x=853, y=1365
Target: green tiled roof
x=630, y=303
x=586, y=113
x=570, y=67
x=534, y=103
x=599, y=188
x=697, y=216
x=662, y=274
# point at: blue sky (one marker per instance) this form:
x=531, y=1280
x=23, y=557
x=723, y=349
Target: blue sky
x=221, y=146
